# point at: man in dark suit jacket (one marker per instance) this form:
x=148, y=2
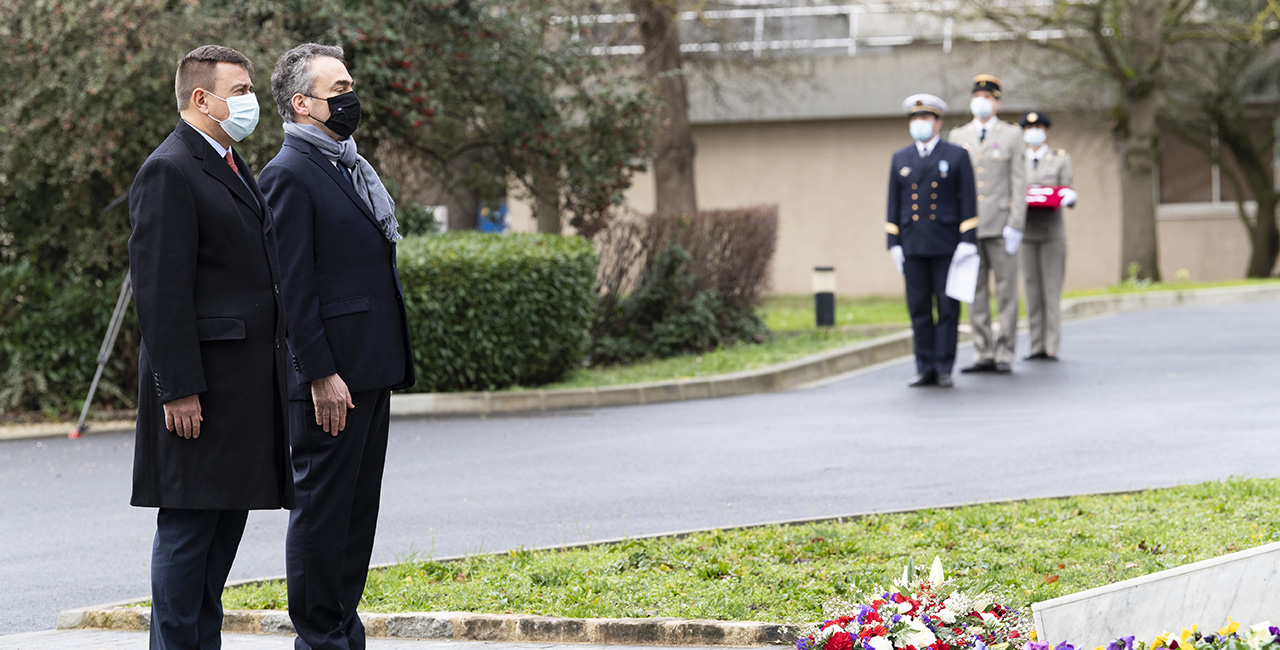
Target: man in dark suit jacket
x=932, y=217
x=348, y=336
x=205, y=277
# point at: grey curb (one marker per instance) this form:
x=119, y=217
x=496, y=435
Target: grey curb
x=462, y=626
x=774, y=378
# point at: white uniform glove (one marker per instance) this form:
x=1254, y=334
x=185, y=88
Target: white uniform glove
x=964, y=250
x=1012, y=240
x=895, y=254
x=1069, y=196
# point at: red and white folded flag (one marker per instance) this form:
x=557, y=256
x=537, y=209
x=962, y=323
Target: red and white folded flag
x=1043, y=196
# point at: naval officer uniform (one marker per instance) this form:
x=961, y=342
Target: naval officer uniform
x=996, y=150
x=932, y=213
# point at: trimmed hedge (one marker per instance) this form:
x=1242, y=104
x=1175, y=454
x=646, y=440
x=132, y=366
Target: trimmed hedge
x=491, y=311
x=51, y=326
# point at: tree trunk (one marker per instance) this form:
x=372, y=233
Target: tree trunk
x=1137, y=138
x=673, y=148
x=546, y=203
x=1264, y=238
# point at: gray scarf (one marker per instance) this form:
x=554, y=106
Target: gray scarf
x=367, y=183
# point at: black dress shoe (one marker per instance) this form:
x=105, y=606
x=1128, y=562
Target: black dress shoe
x=1003, y=368
x=923, y=379
x=980, y=366
x=1039, y=356
x=944, y=381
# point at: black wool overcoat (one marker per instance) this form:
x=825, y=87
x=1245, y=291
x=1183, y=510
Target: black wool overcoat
x=206, y=283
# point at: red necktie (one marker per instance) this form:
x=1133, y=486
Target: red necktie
x=232, y=163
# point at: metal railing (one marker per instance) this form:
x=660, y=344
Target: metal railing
x=831, y=29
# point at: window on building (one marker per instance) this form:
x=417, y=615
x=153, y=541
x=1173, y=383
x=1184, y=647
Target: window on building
x=1188, y=174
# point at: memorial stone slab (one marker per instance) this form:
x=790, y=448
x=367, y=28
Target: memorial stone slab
x=1244, y=586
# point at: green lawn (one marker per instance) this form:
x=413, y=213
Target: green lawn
x=1023, y=552
x=744, y=356
x=789, y=312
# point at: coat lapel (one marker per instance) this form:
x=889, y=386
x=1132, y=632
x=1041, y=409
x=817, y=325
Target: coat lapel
x=329, y=169
x=219, y=169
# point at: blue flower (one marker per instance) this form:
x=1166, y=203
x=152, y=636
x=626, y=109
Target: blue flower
x=802, y=644
x=896, y=618
x=1122, y=643
x=1067, y=646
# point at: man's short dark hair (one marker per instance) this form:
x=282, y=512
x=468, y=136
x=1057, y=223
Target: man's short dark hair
x=198, y=69
x=293, y=75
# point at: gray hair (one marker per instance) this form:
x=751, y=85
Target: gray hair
x=293, y=75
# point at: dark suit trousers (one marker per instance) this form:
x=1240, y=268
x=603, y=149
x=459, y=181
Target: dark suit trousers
x=935, y=341
x=338, y=483
x=190, y=560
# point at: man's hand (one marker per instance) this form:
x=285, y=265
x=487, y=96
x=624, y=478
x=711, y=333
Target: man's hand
x=895, y=253
x=182, y=415
x=1012, y=240
x=332, y=399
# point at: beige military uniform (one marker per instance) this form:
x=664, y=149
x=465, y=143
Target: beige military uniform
x=1044, y=252
x=999, y=172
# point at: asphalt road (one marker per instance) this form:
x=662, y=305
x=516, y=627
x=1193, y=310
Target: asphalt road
x=1146, y=399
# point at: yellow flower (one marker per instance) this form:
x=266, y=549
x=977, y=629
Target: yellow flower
x=1033, y=635
x=1161, y=641
x=1230, y=627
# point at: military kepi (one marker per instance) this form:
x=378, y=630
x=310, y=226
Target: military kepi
x=924, y=103
x=1035, y=118
x=988, y=83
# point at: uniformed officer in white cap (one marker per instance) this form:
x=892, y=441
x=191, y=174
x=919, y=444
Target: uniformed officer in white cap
x=932, y=216
x=996, y=150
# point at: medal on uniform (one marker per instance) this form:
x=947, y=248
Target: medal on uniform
x=904, y=172
x=943, y=168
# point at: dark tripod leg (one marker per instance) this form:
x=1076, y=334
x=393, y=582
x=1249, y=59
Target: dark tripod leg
x=108, y=342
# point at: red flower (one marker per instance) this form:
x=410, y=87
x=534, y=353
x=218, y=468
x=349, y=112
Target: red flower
x=843, y=620
x=873, y=617
x=899, y=598
x=1013, y=634
x=839, y=641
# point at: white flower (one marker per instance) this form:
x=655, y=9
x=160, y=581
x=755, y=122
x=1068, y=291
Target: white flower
x=988, y=618
x=904, y=607
x=935, y=573
x=916, y=635
x=879, y=643
x=947, y=616
x=1258, y=635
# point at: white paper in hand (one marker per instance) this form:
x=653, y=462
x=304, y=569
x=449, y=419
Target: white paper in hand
x=962, y=275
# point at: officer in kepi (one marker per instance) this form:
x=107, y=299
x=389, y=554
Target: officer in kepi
x=1044, y=247
x=932, y=217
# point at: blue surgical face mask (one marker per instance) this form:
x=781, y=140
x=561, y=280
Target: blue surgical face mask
x=981, y=107
x=1034, y=137
x=921, y=130
x=243, y=116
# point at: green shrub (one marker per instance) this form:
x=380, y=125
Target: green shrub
x=666, y=316
x=53, y=328
x=490, y=311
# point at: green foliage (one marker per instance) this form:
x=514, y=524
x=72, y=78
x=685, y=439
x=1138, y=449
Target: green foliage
x=490, y=311
x=1023, y=552
x=663, y=318
x=53, y=328
x=88, y=94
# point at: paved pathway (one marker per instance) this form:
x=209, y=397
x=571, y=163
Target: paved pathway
x=1144, y=399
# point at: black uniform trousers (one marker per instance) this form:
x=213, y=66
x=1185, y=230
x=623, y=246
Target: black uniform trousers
x=338, y=484
x=935, y=341
x=190, y=561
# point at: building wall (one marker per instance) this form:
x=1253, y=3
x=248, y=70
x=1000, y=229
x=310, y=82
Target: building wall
x=829, y=179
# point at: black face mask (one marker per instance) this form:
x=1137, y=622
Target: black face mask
x=344, y=113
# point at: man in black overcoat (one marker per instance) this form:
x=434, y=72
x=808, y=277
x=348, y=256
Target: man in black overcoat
x=348, y=338
x=932, y=217
x=211, y=441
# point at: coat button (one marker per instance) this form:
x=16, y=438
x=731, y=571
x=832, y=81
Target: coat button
x=980, y=183
x=933, y=217
x=915, y=196
x=915, y=206
x=915, y=217
x=914, y=186
x=979, y=170
x=933, y=184
x=276, y=287
x=277, y=344
x=979, y=197
x=933, y=196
